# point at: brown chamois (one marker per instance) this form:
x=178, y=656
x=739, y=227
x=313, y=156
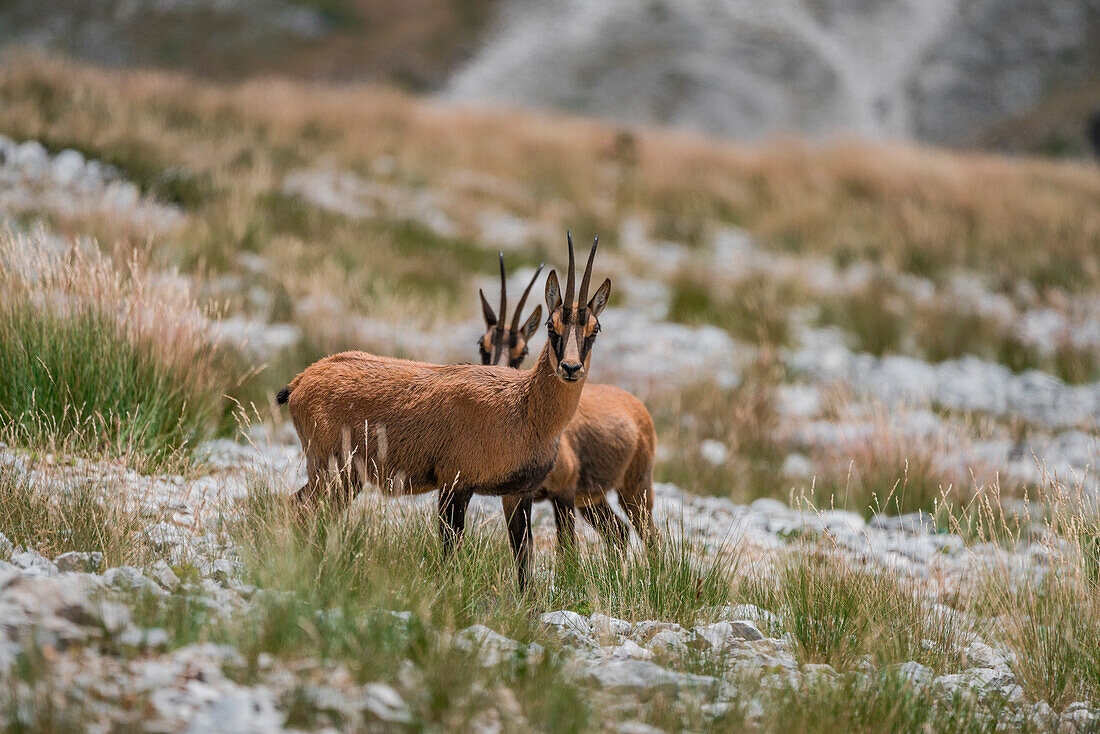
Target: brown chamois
x=462, y=429
x=609, y=444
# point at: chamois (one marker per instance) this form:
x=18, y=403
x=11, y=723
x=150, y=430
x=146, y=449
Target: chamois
x=609, y=444
x=461, y=429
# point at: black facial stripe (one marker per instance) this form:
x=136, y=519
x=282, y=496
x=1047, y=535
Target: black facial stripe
x=586, y=344
x=556, y=342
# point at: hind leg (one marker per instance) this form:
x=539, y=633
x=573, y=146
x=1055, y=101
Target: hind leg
x=600, y=516
x=636, y=498
x=565, y=521
x=310, y=492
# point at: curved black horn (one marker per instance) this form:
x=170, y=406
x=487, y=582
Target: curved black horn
x=523, y=300
x=582, y=300
x=569, y=279
x=503, y=294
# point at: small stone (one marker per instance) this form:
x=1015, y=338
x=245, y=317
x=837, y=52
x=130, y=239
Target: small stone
x=32, y=159
x=221, y=570
x=241, y=711
x=667, y=641
x=714, y=452
x=163, y=574
x=128, y=578
x=33, y=563
x=606, y=626
x=645, y=631
x=915, y=673
x=638, y=727
x=565, y=621
x=121, y=195
x=643, y=678
x=745, y=630
x=629, y=650
x=79, y=562
x=67, y=167
x=1042, y=715
x=384, y=703
x=797, y=466
x=1078, y=718
x=491, y=647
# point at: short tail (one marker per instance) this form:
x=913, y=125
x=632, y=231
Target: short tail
x=283, y=395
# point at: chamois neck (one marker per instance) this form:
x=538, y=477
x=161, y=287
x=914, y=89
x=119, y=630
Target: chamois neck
x=550, y=401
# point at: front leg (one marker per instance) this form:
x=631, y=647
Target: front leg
x=517, y=510
x=452, y=517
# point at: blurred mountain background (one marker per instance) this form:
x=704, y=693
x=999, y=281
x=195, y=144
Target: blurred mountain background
x=1012, y=75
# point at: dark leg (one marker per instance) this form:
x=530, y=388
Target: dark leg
x=640, y=511
x=311, y=491
x=636, y=497
x=517, y=510
x=607, y=523
x=566, y=524
x=452, y=517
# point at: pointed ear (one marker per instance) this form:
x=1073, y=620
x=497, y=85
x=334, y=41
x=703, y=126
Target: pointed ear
x=487, y=310
x=599, y=300
x=532, y=323
x=553, y=292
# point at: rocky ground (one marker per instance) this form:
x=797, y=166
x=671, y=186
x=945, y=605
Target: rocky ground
x=80, y=616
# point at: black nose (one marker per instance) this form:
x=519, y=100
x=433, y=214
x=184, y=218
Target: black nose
x=571, y=368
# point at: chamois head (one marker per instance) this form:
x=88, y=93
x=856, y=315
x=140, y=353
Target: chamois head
x=507, y=345
x=573, y=324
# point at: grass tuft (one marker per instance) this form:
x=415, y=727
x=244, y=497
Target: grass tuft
x=744, y=420
x=843, y=615
x=1051, y=620
x=98, y=360
x=54, y=517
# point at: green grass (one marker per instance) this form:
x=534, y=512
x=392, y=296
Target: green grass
x=881, y=703
x=1052, y=628
x=376, y=556
x=882, y=320
x=670, y=581
x=330, y=584
x=886, y=475
x=744, y=419
x=842, y=615
x=103, y=359
x=875, y=316
x=756, y=309
x=75, y=380
x=53, y=518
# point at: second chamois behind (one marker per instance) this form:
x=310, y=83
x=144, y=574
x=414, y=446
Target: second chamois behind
x=414, y=427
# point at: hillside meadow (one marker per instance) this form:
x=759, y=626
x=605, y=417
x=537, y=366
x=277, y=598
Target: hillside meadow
x=923, y=573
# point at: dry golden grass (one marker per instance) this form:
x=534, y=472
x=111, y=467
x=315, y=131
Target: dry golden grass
x=919, y=209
